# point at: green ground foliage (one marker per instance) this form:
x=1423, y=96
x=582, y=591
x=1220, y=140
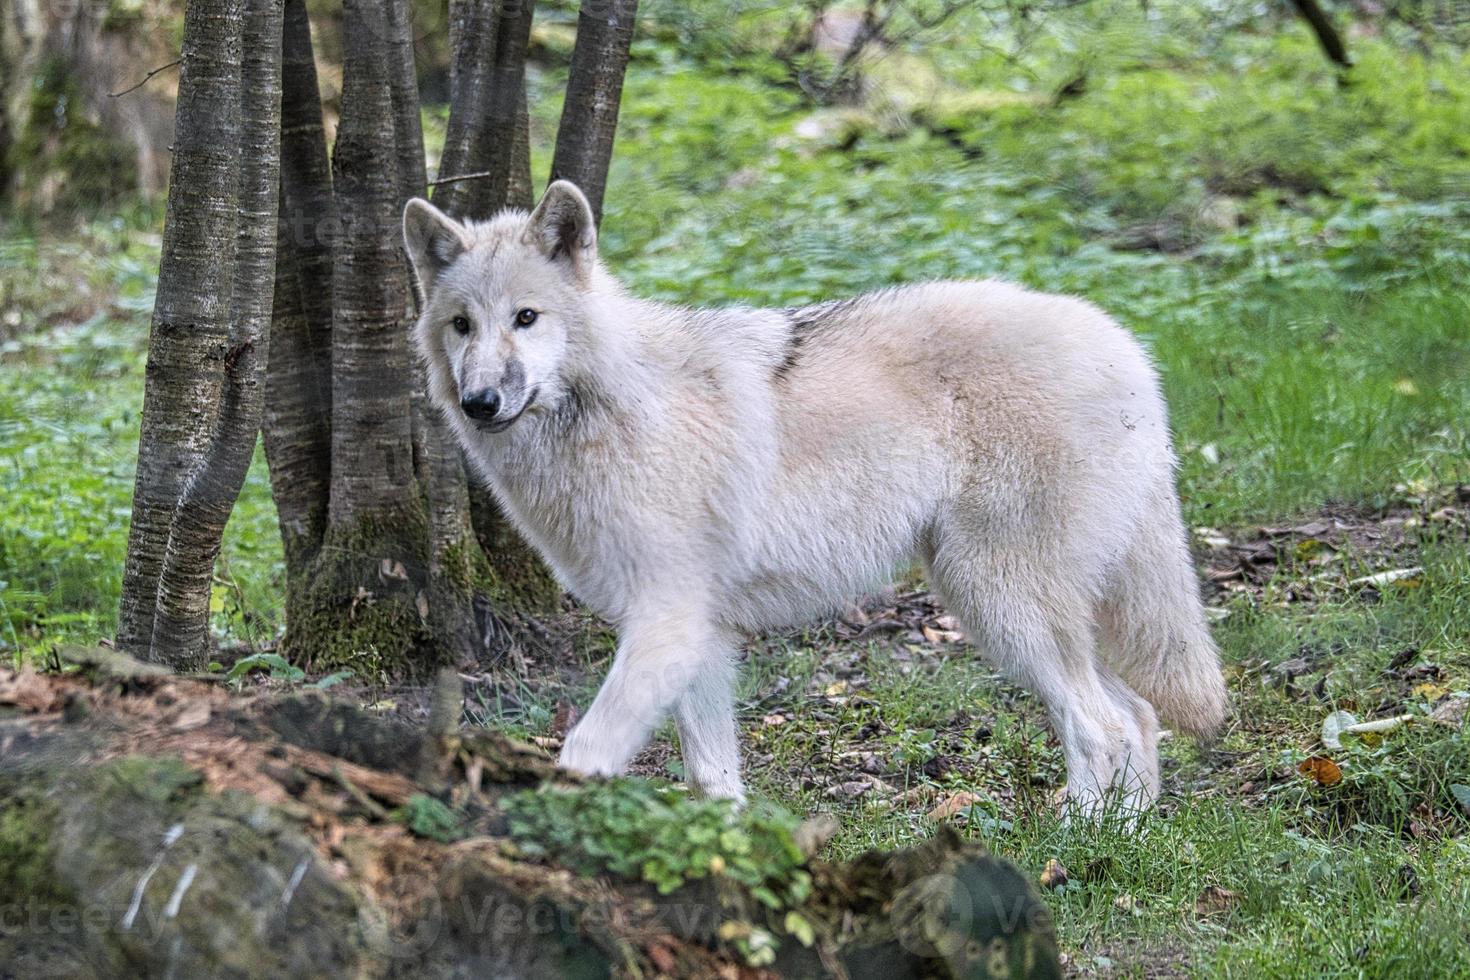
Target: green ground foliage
x=642, y=831
x=1294, y=251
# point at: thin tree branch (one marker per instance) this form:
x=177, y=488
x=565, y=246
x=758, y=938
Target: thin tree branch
x=146, y=78
x=458, y=177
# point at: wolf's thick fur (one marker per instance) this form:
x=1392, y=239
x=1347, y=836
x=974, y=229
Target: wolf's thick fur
x=694, y=475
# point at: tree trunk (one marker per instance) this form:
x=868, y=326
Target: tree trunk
x=369, y=573
x=473, y=26
x=189, y=338
x=385, y=543
x=181, y=623
x=455, y=563
x=387, y=584
x=521, y=193
x=489, y=91
x=408, y=131
x=589, y=119
x=1327, y=36
x=297, y=429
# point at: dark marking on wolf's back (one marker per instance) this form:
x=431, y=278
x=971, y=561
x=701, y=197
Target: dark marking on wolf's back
x=807, y=322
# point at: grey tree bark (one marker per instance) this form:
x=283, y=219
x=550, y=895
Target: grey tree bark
x=488, y=137
x=297, y=429
x=189, y=336
x=487, y=122
x=372, y=496
x=589, y=119
x=181, y=622
x=364, y=587
x=521, y=193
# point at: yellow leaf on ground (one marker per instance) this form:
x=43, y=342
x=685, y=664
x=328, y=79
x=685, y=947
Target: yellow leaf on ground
x=952, y=805
x=1321, y=770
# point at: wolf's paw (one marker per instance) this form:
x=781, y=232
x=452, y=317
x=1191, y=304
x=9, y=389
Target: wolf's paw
x=723, y=787
x=582, y=756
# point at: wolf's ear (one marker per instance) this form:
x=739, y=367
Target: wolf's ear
x=563, y=227
x=433, y=239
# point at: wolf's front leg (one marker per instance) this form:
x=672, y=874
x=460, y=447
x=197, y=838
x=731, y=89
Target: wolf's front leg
x=707, y=733
x=659, y=657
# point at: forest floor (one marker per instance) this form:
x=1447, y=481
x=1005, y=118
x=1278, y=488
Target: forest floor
x=1294, y=253
x=1271, y=854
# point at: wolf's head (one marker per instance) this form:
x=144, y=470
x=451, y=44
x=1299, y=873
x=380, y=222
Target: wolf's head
x=502, y=300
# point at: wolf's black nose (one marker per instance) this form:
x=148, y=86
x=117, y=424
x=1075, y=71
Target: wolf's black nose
x=481, y=405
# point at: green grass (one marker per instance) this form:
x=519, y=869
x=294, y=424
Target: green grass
x=1314, y=874
x=1294, y=252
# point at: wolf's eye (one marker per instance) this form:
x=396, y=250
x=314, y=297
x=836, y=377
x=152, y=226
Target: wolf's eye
x=461, y=325
x=525, y=317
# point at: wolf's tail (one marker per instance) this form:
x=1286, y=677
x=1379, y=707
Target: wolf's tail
x=1154, y=629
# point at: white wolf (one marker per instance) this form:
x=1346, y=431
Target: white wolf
x=695, y=475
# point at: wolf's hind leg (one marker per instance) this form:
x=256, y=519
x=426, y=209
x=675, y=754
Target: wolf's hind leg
x=659, y=658
x=1140, y=774
x=1036, y=627
x=707, y=730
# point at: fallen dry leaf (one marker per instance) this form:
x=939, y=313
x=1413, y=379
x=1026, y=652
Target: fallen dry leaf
x=952, y=805
x=28, y=691
x=1054, y=875
x=850, y=790
x=563, y=718
x=1430, y=691
x=663, y=957
x=773, y=719
x=194, y=715
x=1452, y=712
x=813, y=833
x=1215, y=899
x=1321, y=770
x=938, y=637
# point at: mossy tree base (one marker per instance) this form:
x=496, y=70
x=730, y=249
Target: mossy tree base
x=155, y=826
x=377, y=604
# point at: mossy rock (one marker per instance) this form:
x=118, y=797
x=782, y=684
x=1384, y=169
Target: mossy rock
x=131, y=869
